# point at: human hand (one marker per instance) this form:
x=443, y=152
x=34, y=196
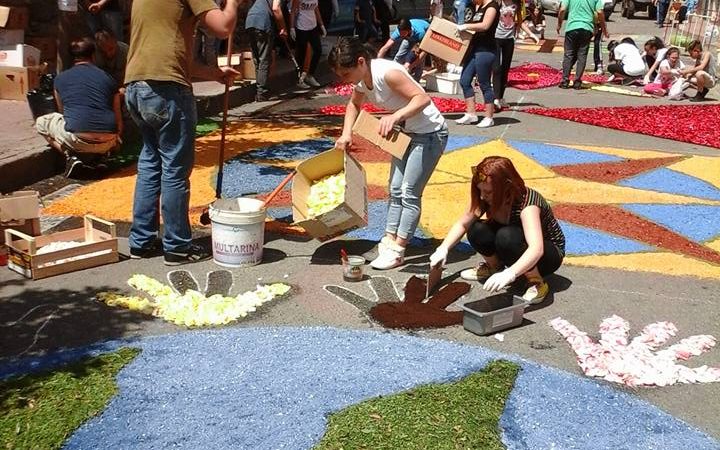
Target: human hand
x=606, y=34
x=407, y=66
x=387, y=123
x=344, y=142
x=323, y=31
x=439, y=257
x=646, y=79
x=557, y=29
x=94, y=8
x=293, y=34
x=411, y=313
x=227, y=75
x=283, y=33
x=462, y=27
x=499, y=280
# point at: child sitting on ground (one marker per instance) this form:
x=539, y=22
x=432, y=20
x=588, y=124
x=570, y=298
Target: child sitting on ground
x=668, y=72
x=627, y=63
x=533, y=24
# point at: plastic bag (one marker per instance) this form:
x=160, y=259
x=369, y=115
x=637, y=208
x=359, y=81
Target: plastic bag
x=677, y=88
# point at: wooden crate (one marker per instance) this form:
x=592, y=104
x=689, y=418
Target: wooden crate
x=25, y=260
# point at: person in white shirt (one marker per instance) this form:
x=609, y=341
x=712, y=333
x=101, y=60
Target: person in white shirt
x=306, y=26
x=627, y=62
x=669, y=70
x=655, y=51
x=387, y=83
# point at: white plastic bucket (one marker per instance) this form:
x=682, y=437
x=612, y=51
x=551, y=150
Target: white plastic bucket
x=238, y=231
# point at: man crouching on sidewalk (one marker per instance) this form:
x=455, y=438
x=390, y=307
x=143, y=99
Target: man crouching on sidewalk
x=89, y=122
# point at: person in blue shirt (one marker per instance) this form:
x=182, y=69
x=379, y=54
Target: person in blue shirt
x=89, y=122
x=409, y=34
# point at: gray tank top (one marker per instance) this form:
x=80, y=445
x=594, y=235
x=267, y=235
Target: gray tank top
x=506, y=24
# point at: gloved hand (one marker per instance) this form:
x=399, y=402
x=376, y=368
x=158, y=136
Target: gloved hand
x=646, y=79
x=323, y=31
x=439, y=257
x=499, y=280
x=462, y=27
x=293, y=34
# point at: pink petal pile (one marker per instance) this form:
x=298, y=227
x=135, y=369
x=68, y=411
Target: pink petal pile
x=341, y=89
x=638, y=363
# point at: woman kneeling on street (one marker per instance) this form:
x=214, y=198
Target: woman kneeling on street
x=518, y=234
x=387, y=84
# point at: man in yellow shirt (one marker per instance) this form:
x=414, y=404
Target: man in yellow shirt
x=160, y=100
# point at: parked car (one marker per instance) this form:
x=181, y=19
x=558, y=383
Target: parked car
x=553, y=6
x=630, y=7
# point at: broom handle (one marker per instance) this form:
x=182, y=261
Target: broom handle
x=223, y=132
x=277, y=190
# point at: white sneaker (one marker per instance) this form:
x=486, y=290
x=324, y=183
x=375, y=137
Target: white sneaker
x=311, y=81
x=498, y=105
x=487, y=122
x=599, y=70
x=467, y=119
x=390, y=255
x=301, y=84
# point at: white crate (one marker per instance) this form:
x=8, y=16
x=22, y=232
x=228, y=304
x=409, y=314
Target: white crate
x=19, y=55
x=445, y=83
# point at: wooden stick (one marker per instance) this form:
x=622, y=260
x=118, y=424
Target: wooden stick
x=277, y=190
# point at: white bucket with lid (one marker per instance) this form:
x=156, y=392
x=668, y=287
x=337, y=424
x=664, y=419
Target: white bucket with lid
x=238, y=231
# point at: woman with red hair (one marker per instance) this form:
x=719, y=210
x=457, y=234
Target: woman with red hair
x=517, y=236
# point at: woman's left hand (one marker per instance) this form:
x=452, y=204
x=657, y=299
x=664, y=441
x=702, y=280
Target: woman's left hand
x=387, y=124
x=323, y=31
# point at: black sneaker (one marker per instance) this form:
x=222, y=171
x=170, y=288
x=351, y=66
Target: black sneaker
x=577, y=85
x=149, y=252
x=194, y=253
x=700, y=96
x=262, y=98
x=564, y=85
x=72, y=164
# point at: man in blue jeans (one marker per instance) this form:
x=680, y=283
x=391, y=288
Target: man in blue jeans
x=662, y=10
x=578, y=34
x=160, y=100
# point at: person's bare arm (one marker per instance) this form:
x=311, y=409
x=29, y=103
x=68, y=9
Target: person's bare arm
x=279, y=19
x=400, y=83
x=601, y=20
x=58, y=102
x=385, y=48
x=486, y=23
x=560, y=17
x=221, y=22
x=118, y=114
x=354, y=106
x=702, y=66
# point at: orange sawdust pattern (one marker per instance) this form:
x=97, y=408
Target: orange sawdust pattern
x=612, y=172
x=623, y=223
x=112, y=197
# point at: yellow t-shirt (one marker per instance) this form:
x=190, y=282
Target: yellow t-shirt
x=161, y=39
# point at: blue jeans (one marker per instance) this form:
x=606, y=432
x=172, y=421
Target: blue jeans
x=166, y=115
x=460, y=6
x=408, y=178
x=406, y=55
x=480, y=65
x=662, y=9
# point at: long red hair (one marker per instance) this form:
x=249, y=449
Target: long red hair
x=507, y=185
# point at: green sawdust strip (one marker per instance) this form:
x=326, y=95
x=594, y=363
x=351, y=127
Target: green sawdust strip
x=40, y=411
x=460, y=415
x=129, y=151
x=206, y=126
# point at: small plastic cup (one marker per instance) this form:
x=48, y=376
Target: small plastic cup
x=353, y=268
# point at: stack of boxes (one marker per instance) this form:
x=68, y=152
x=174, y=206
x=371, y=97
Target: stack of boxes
x=20, y=55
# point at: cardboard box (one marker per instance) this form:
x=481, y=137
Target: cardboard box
x=11, y=37
x=365, y=132
x=444, y=40
x=20, y=211
x=97, y=247
x=14, y=17
x=350, y=214
x=15, y=82
x=243, y=62
x=20, y=55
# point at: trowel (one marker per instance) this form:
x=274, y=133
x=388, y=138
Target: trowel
x=433, y=279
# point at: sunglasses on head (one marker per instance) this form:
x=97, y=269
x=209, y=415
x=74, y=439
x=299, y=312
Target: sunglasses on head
x=477, y=173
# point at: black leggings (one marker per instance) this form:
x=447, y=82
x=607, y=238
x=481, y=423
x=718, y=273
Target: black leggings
x=313, y=37
x=501, y=68
x=507, y=242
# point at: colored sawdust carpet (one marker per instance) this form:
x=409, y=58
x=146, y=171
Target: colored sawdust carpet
x=42, y=410
x=539, y=76
x=684, y=123
x=444, y=104
x=269, y=388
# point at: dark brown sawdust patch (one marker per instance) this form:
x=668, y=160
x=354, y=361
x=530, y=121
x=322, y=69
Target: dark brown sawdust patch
x=614, y=220
x=612, y=172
